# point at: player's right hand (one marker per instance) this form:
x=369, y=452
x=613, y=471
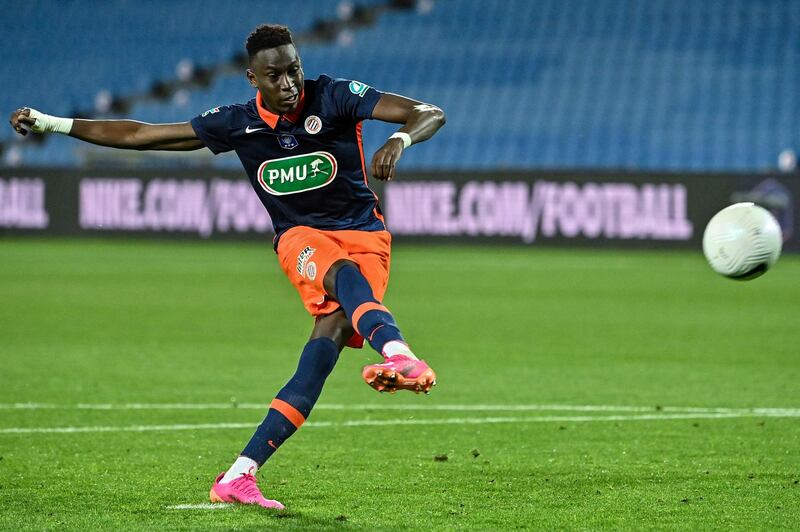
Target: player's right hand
x=21, y=117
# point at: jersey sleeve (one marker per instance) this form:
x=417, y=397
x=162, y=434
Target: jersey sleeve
x=352, y=99
x=213, y=128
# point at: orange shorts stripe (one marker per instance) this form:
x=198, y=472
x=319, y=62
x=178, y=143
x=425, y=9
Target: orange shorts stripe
x=291, y=413
x=363, y=309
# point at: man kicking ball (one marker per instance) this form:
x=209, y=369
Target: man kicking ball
x=300, y=144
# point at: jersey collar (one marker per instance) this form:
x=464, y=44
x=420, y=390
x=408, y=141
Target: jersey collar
x=271, y=118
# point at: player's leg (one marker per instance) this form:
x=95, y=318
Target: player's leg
x=294, y=402
x=401, y=369
x=287, y=412
x=351, y=289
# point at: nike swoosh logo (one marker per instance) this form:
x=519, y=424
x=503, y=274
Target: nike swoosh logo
x=249, y=129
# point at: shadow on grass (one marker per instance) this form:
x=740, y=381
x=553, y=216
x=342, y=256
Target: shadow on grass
x=292, y=519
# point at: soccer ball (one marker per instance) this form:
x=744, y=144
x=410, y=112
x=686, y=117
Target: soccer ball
x=742, y=241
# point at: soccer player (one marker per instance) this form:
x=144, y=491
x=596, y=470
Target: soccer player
x=300, y=144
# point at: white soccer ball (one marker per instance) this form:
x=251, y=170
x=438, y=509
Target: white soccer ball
x=742, y=241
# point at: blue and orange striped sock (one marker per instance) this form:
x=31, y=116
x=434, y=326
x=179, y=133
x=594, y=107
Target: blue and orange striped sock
x=290, y=408
x=370, y=319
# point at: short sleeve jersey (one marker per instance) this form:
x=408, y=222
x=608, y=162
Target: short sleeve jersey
x=308, y=167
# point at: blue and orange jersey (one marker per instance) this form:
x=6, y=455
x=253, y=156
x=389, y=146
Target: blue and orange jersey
x=307, y=167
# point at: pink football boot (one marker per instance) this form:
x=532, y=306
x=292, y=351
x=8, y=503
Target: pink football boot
x=243, y=490
x=400, y=372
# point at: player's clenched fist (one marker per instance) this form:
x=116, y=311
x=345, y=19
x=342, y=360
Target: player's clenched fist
x=21, y=117
x=385, y=159
x=38, y=122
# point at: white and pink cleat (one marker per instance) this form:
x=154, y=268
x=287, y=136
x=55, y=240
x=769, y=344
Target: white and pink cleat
x=242, y=490
x=400, y=372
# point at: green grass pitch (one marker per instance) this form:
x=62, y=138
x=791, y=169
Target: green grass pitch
x=577, y=389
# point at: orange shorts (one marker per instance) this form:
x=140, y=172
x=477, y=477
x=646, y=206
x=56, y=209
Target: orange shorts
x=306, y=255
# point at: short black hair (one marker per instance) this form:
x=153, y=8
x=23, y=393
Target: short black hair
x=267, y=36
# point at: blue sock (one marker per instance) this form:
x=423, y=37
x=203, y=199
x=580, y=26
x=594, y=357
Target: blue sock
x=372, y=320
x=294, y=402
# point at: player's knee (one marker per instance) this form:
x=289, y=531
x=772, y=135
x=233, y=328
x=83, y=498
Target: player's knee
x=343, y=333
x=335, y=327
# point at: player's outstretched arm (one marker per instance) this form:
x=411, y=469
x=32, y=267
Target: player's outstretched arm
x=125, y=134
x=421, y=121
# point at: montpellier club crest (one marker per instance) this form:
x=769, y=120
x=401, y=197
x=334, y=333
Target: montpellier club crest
x=313, y=124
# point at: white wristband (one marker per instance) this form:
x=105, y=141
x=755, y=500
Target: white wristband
x=405, y=137
x=50, y=124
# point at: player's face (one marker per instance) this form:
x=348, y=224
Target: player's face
x=278, y=75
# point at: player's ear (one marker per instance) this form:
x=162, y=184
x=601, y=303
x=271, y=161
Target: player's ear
x=251, y=78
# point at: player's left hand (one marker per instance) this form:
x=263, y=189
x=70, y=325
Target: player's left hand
x=385, y=159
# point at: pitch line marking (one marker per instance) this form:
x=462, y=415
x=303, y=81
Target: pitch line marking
x=398, y=422
x=131, y=428
x=405, y=407
x=201, y=506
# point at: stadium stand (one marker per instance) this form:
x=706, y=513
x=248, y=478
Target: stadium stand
x=664, y=84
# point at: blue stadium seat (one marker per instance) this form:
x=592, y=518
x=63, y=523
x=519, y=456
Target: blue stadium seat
x=663, y=84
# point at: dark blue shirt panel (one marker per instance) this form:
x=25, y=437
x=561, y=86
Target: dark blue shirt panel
x=352, y=99
x=212, y=127
x=347, y=202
